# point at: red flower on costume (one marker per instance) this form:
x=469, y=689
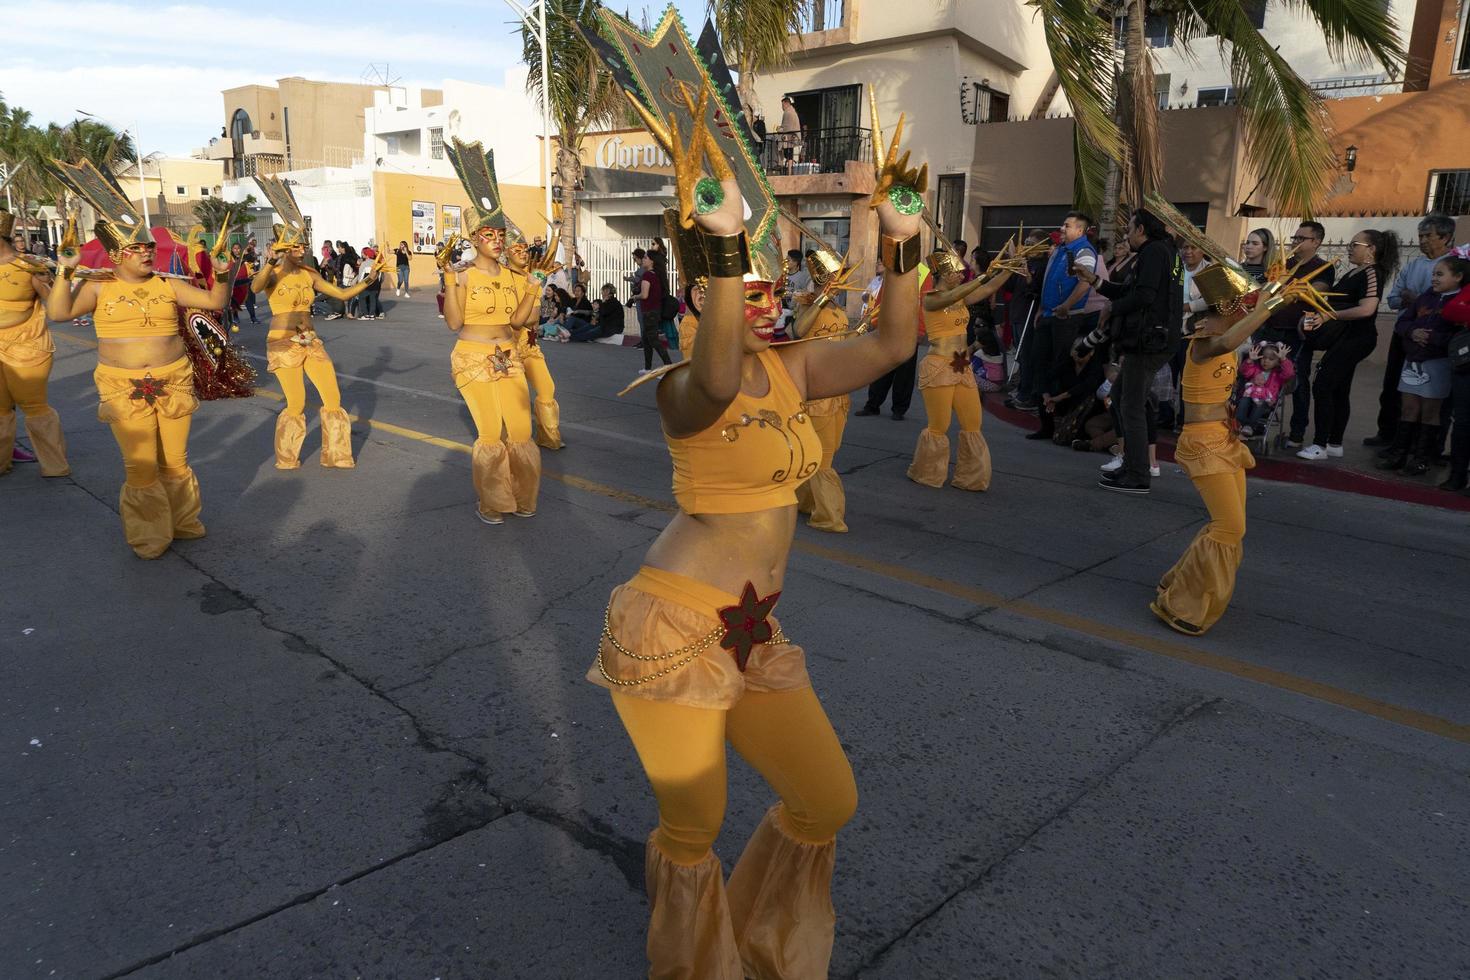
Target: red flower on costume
x=960, y=363
x=146, y=389
x=747, y=624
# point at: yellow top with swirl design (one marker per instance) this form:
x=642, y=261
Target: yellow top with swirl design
x=17, y=293
x=1209, y=383
x=754, y=456
x=292, y=293
x=948, y=322
x=136, y=309
x=490, y=300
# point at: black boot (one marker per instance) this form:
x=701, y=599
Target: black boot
x=1457, y=480
x=1379, y=440
x=1423, y=456
x=1397, y=455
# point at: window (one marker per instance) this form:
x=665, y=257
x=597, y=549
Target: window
x=979, y=103
x=1449, y=192
x=949, y=205
x=436, y=144
x=392, y=143
x=1158, y=30
x=180, y=191
x=837, y=232
x=1161, y=90
x=204, y=192
x=1462, y=61
x=1216, y=96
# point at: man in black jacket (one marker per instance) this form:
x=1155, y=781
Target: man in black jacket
x=1146, y=326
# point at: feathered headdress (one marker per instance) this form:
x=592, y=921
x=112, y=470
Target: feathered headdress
x=660, y=73
x=292, y=231
x=476, y=169
x=118, y=225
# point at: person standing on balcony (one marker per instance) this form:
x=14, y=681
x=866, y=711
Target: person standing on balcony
x=790, y=134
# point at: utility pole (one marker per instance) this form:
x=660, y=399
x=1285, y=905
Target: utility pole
x=533, y=15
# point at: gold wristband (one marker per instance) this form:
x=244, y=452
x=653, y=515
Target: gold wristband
x=727, y=255
x=68, y=272
x=1273, y=301
x=899, y=256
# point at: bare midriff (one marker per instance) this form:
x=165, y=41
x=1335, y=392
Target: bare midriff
x=728, y=550
x=284, y=326
x=135, y=353
x=487, y=335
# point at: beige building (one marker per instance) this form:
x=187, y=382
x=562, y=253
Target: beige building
x=172, y=185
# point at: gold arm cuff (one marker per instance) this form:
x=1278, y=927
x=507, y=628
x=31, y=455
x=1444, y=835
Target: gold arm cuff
x=1273, y=301
x=728, y=255
x=899, y=256
x=68, y=272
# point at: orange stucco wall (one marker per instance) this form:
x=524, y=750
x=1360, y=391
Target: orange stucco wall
x=1400, y=138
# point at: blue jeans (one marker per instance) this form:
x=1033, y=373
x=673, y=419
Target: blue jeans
x=1253, y=412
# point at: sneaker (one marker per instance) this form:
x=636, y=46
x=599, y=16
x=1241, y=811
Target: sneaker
x=1153, y=471
x=19, y=455
x=441, y=316
x=1313, y=452
x=1117, y=486
x=1022, y=404
x=865, y=410
x=898, y=416
x=1246, y=431
x=497, y=519
x=1294, y=442
x=525, y=513
x=334, y=316
x=1334, y=451
x=1113, y=465
x=643, y=371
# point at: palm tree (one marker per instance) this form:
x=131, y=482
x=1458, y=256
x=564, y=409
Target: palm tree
x=1285, y=124
x=582, y=94
x=757, y=35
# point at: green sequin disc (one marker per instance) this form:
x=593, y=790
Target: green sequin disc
x=905, y=200
x=708, y=195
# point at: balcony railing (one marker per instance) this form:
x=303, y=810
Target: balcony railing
x=822, y=15
x=815, y=151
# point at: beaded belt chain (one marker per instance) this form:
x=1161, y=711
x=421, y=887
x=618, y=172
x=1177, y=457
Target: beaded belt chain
x=742, y=627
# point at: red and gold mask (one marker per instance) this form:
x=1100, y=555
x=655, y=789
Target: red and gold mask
x=762, y=307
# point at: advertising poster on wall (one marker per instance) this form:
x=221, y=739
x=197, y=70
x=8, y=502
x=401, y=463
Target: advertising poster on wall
x=451, y=220
x=425, y=234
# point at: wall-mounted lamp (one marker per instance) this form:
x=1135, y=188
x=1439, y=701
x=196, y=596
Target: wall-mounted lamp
x=1352, y=159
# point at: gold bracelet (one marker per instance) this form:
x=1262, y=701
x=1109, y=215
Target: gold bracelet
x=727, y=255
x=68, y=272
x=899, y=256
x=1273, y=301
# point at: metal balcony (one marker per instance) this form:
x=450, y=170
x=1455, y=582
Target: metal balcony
x=815, y=151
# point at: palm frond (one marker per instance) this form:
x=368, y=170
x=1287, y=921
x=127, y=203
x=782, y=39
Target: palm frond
x=1081, y=47
x=1139, y=113
x=757, y=34
x=1285, y=123
x=1356, y=30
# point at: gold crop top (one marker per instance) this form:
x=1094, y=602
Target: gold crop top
x=292, y=293
x=490, y=300
x=1209, y=383
x=948, y=322
x=16, y=290
x=136, y=309
x=754, y=456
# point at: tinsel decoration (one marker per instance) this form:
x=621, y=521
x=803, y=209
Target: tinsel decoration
x=220, y=367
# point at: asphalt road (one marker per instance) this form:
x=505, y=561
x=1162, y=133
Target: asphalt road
x=347, y=734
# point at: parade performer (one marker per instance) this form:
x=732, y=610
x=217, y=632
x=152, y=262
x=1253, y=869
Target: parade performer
x=1194, y=594
x=145, y=383
x=293, y=350
x=220, y=367
x=820, y=314
x=946, y=381
x=694, y=273
x=485, y=304
x=26, y=350
x=528, y=346
x=689, y=648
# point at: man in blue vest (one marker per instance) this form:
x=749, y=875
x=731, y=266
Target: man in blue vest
x=1062, y=297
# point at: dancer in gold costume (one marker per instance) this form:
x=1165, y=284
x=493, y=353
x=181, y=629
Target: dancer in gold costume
x=26, y=350
x=293, y=350
x=528, y=344
x=689, y=648
x=485, y=304
x=144, y=380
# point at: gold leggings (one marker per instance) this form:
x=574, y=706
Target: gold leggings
x=548, y=412
x=960, y=400
x=494, y=404
x=540, y=378
x=24, y=387
x=1198, y=588
x=323, y=375
x=153, y=447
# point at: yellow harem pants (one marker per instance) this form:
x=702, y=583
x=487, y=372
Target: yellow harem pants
x=931, y=455
x=23, y=386
x=505, y=462
x=1195, y=593
x=823, y=496
x=548, y=412
x=775, y=920
x=149, y=411
x=292, y=364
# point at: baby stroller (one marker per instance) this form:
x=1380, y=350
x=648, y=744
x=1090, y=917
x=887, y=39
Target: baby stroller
x=1272, y=434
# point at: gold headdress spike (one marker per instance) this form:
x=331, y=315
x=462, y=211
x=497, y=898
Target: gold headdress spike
x=476, y=170
x=282, y=201
x=943, y=260
x=682, y=89
x=1185, y=229
x=118, y=225
x=824, y=264
x=693, y=263
x=1224, y=284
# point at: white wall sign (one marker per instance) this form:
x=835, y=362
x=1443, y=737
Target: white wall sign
x=614, y=154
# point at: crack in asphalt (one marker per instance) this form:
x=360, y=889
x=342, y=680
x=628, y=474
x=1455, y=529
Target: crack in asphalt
x=1181, y=715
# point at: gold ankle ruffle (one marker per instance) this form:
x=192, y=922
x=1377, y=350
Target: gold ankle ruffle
x=780, y=897
x=972, y=463
x=337, y=439
x=1198, y=588
x=931, y=459
x=490, y=467
x=48, y=441
x=548, y=424
x=147, y=519
x=689, y=931
x=184, y=503
x=525, y=474
x=290, y=434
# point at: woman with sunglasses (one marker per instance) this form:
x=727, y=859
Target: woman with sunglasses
x=145, y=383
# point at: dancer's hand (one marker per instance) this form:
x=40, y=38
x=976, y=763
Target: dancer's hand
x=898, y=192
x=712, y=202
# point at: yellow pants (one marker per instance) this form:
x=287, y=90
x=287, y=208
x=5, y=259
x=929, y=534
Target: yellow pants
x=823, y=496
x=1195, y=593
x=506, y=463
x=24, y=387
x=775, y=919
x=548, y=412
x=972, y=468
x=160, y=499
x=291, y=423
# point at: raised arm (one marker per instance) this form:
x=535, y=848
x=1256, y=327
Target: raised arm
x=265, y=276
x=977, y=290
x=337, y=292
x=67, y=300
x=1240, y=331
x=528, y=312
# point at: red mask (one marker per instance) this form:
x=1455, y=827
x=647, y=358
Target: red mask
x=761, y=302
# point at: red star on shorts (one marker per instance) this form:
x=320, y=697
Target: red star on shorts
x=747, y=624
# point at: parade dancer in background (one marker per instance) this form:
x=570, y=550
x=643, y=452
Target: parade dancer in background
x=145, y=383
x=26, y=351
x=533, y=358
x=689, y=648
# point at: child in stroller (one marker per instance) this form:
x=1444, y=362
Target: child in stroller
x=1267, y=375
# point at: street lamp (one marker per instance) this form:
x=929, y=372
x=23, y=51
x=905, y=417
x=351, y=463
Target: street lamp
x=1352, y=159
x=137, y=151
x=532, y=13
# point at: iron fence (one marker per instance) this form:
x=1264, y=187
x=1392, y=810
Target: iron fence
x=815, y=151
x=822, y=15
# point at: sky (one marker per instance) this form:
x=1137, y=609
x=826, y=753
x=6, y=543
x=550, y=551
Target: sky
x=158, y=70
